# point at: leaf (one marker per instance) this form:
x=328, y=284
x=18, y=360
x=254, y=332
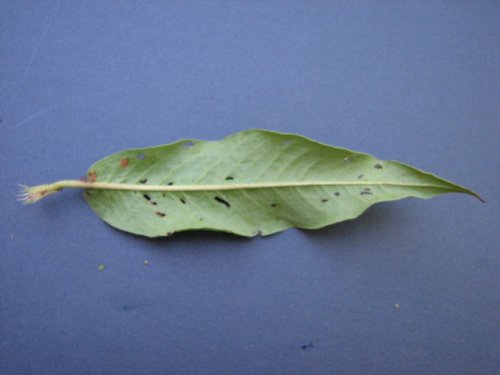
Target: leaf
x=250, y=183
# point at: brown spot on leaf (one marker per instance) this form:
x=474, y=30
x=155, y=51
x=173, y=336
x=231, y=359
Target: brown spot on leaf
x=124, y=162
x=161, y=214
x=91, y=176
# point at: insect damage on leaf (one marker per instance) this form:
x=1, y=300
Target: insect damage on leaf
x=255, y=182
x=124, y=162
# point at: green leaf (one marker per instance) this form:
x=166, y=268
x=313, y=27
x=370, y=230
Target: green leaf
x=250, y=183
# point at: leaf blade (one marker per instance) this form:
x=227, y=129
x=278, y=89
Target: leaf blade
x=249, y=183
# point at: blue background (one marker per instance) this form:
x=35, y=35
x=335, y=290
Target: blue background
x=414, y=81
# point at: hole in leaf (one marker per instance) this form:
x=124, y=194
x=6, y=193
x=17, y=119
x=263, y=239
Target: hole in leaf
x=141, y=156
x=223, y=201
x=143, y=180
x=161, y=214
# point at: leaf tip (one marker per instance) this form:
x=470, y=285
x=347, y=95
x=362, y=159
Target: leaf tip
x=474, y=194
x=480, y=198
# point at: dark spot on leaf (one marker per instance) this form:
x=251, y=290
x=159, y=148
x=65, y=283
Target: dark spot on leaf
x=367, y=189
x=273, y=204
x=257, y=233
x=163, y=195
x=223, y=201
x=87, y=193
x=361, y=176
x=169, y=234
x=364, y=192
x=154, y=203
x=141, y=156
x=324, y=200
x=201, y=219
x=307, y=346
x=143, y=180
x=337, y=194
x=378, y=166
x=188, y=144
x=161, y=214
x=124, y=163
x=170, y=183
x=183, y=201
x=146, y=197
x=229, y=178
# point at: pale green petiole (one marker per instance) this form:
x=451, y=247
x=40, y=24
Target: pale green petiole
x=35, y=193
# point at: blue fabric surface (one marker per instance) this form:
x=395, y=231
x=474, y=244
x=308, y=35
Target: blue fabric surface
x=411, y=287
